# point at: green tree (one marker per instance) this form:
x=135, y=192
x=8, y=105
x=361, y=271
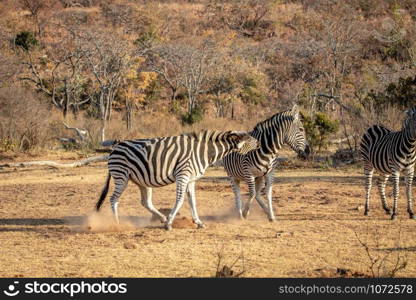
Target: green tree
x=400, y=94
x=318, y=129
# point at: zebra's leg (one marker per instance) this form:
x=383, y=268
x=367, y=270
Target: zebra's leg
x=192, y=203
x=368, y=172
x=181, y=185
x=235, y=183
x=146, y=194
x=252, y=194
x=396, y=179
x=120, y=186
x=409, y=180
x=269, y=185
x=259, y=184
x=382, y=189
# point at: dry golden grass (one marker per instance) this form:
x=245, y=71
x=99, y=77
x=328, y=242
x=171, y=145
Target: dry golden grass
x=48, y=228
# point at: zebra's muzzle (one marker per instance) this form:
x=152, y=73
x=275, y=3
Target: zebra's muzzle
x=305, y=153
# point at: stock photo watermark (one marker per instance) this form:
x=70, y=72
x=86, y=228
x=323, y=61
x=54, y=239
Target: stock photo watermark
x=71, y=289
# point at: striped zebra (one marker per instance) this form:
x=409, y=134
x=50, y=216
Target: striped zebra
x=256, y=167
x=157, y=162
x=389, y=153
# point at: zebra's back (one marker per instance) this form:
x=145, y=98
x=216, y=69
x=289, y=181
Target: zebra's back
x=385, y=150
x=150, y=162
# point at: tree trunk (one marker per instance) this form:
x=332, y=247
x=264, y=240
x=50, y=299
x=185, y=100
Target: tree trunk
x=103, y=128
x=174, y=93
x=128, y=114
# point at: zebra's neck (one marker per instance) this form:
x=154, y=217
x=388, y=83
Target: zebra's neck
x=409, y=140
x=211, y=147
x=272, y=137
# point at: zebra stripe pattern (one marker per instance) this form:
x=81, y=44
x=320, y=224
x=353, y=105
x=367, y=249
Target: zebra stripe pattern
x=256, y=167
x=389, y=153
x=157, y=162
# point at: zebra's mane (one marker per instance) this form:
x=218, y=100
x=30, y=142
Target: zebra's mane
x=193, y=134
x=202, y=134
x=265, y=124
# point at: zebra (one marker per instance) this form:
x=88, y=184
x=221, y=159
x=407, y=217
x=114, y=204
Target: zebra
x=157, y=162
x=256, y=167
x=389, y=153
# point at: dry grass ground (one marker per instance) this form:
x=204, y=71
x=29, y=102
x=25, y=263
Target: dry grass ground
x=48, y=228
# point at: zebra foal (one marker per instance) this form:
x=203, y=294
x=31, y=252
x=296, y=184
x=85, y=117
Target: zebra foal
x=157, y=162
x=256, y=166
x=389, y=153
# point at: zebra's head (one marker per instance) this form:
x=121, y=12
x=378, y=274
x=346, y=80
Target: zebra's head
x=295, y=136
x=242, y=141
x=410, y=121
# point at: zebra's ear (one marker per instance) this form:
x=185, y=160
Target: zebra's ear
x=295, y=112
x=408, y=112
x=411, y=112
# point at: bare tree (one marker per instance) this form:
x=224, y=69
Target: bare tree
x=184, y=65
x=247, y=17
x=58, y=74
x=107, y=58
x=163, y=61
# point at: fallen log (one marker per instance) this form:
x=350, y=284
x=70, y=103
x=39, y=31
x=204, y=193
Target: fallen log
x=55, y=164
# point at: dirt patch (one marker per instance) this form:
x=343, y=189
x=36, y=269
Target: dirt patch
x=104, y=223
x=183, y=223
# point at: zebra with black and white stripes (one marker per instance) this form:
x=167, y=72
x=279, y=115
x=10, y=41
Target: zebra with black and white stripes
x=389, y=153
x=157, y=162
x=256, y=167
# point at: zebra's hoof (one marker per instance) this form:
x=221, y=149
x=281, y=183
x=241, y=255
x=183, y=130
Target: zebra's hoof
x=201, y=225
x=388, y=211
x=272, y=219
x=393, y=217
x=412, y=217
x=245, y=213
x=366, y=213
x=168, y=227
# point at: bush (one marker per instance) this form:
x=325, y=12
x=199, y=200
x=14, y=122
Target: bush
x=26, y=40
x=253, y=89
x=250, y=18
x=23, y=120
x=318, y=128
x=401, y=95
x=195, y=116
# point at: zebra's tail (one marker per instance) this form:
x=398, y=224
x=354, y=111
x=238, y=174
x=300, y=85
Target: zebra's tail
x=103, y=193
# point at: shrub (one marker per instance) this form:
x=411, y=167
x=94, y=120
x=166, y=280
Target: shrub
x=26, y=40
x=194, y=116
x=253, y=89
x=23, y=120
x=318, y=128
x=401, y=94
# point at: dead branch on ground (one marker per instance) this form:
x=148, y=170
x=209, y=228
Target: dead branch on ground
x=55, y=164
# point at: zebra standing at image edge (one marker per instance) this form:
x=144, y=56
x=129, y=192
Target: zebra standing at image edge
x=256, y=167
x=158, y=162
x=390, y=152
